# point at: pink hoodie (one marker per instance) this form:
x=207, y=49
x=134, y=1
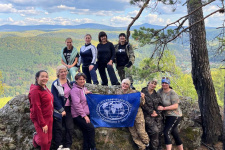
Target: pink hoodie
x=79, y=106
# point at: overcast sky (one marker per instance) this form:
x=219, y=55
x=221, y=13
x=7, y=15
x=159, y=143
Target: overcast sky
x=107, y=12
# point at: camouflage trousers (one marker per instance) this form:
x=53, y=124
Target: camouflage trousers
x=125, y=74
x=154, y=127
x=139, y=135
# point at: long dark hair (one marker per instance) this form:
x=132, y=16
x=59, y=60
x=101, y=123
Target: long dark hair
x=37, y=75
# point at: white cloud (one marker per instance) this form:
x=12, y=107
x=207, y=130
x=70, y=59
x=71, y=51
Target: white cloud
x=133, y=13
x=106, y=13
x=48, y=21
x=172, y=9
x=97, y=13
x=19, y=1
x=128, y=1
x=81, y=11
x=63, y=7
x=29, y=11
x=94, y=5
x=168, y=21
x=10, y=19
x=155, y=19
x=7, y=8
x=210, y=8
x=215, y=20
x=120, y=21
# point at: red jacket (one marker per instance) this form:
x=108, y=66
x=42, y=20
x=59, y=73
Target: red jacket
x=41, y=104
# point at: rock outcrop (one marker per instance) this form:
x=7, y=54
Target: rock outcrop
x=16, y=129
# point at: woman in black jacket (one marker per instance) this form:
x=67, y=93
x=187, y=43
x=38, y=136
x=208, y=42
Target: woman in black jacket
x=124, y=58
x=153, y=117
x=106, y=55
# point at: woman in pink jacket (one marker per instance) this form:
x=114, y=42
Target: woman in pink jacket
x=41, y=110
x=80, y=111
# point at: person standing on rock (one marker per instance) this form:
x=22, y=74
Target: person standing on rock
x=41, y=110
x=88, y=57
x=62, y=111
x=139, y=135
x=173, y=114
x=153, y=116
x=124, y=58
x=106, y=56
x=69, y=59
x=80, y=111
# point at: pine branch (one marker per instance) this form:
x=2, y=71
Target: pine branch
x=136, y=17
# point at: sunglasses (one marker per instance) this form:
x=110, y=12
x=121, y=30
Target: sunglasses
x=165, y=78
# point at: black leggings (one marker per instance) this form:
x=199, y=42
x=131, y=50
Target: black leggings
x=171, y=128
x=88, y=131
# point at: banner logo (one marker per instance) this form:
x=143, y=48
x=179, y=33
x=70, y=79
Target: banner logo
x=114, y=110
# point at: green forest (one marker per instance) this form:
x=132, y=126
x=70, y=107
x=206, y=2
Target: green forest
x=24, y=53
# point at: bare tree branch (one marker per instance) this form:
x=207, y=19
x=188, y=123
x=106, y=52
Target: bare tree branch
x=193, y=25
x=135, y=18
x=185, y=17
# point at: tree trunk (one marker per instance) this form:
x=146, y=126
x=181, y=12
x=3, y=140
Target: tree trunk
x=224, y=117
x=210, y=113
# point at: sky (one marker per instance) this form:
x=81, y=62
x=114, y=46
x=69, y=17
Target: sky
x=115, y=13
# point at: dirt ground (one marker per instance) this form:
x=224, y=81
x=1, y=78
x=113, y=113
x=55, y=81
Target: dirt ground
x=218, y=146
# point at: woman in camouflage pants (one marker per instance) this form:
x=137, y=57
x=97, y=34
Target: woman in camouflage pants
x=139, y=135
x=153, y=117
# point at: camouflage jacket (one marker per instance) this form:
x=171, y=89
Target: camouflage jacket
x=120, y=91
x=151, y=102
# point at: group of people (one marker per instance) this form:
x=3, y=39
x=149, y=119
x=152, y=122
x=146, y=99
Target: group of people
x=66, y=103
x=101, y=58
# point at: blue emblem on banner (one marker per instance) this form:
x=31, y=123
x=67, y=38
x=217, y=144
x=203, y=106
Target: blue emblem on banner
x=113, y=110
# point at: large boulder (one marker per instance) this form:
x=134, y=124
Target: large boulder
x=16, y=128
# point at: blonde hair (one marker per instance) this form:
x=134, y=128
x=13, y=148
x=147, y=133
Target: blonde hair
x=126, y=81
x=153, y=80
x=60, y=68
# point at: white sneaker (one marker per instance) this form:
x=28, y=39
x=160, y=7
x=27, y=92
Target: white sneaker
x=60, y=147
x=66, y=149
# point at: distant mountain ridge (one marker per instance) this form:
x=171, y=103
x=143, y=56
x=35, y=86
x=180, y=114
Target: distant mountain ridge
x=8, y=28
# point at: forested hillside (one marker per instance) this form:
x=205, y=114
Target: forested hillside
x=22, y=54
